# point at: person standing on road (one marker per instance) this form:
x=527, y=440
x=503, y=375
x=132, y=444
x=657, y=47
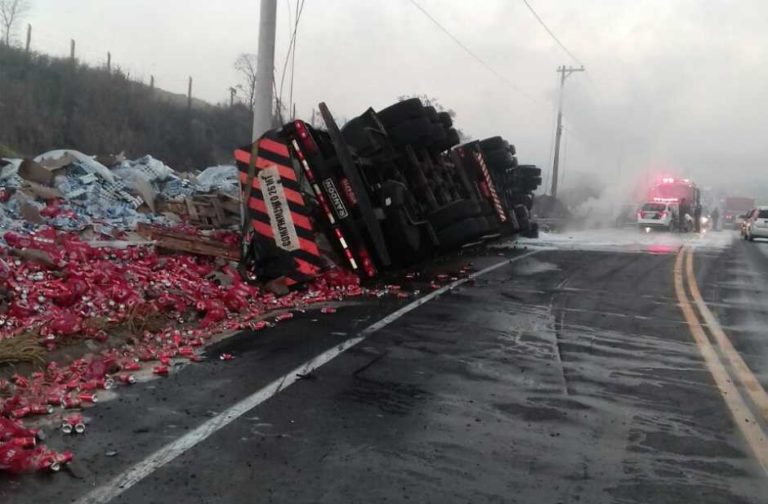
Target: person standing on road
x=715, y=218
x=682, y=224
x=697, y=218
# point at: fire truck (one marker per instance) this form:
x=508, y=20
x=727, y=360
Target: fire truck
x=681, y=192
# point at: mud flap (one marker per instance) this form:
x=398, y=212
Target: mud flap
x=280, y=238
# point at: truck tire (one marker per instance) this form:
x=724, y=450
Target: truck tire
x=453, y=139
x=497, y=157
x=529, y=170
x=493, y=143
x=431, y=113
x=522, y=199
x=533, y=231
x=401, y=111
x=445, y=118
x=413, y=131
x=439, y=135
x=523, y=218
x=453, y=212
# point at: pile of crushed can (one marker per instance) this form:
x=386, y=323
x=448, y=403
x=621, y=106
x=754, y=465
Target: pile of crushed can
x=61, y=289
x=59, y=300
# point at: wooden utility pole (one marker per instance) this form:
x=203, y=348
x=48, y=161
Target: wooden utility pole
x=232, y=92
x=564, y=72
x=72, y=50
x=29, y=39
x=189, y=94
x=109, y=62
x=152, y=82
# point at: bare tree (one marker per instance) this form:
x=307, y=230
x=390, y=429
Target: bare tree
x=11, y=13
x=245, y=64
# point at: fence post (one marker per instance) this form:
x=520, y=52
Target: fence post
x=189, y=94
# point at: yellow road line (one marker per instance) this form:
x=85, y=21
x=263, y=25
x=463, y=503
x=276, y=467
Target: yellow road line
x=742, y=415
x=743, y=373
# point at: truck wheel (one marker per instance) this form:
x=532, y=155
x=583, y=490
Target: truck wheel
x=498, y=157
x=431, y=113
x=523, y=218
x=412, y=131
x=529, y=170
x=439, y=135
x=453, y=139
x=456, y=211
x=533, y=232
x=493, y=143
x=401, y=111
x=445, y=118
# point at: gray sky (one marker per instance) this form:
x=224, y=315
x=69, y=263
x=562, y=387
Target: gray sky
x=671, y=85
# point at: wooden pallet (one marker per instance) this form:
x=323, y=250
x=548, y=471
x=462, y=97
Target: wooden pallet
x=181, y=242
x=205, y=210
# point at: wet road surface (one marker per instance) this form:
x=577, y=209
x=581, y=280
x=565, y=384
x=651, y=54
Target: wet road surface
x=567, y=376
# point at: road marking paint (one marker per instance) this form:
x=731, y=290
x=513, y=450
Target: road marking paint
x=743, y=373
x=172, y=450
x=742, y=415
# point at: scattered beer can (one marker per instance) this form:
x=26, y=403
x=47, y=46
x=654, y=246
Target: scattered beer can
x=161, y=370
x=126, y=379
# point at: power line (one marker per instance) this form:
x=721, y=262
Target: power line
x=291, y=52
x=473, y=55
x=554, y=37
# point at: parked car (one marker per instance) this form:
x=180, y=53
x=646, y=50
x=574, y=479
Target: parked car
x=654, y=215
x=755, y=224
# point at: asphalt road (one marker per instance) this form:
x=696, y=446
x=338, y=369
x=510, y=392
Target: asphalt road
x=566, y=376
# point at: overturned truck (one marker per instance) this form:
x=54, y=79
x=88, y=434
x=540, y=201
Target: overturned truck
x=387, y=190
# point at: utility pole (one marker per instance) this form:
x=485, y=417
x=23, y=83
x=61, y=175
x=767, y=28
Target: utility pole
x=232, y=92
x=564, y=72
x=29, y=39
x=72, y=50
x=152, y=82
x=109, y=62
x=265, y=67
x=189, y=94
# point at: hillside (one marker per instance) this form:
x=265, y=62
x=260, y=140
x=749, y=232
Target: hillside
x=48, y=103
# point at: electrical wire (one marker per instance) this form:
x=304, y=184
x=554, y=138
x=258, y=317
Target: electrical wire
x=300, y=9
x=551, y=34
x=474, y=55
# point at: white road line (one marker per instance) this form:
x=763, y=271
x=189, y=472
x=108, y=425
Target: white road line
x=167, y=453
